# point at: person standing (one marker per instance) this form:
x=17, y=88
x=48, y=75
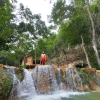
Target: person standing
x=43, y=58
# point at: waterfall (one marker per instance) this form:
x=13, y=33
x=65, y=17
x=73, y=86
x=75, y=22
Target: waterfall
x=59, y=77
x=26, y=87
x=42, y=84
x=12, y=71
x=44, y=79
x=73, y=80
x=15, y=79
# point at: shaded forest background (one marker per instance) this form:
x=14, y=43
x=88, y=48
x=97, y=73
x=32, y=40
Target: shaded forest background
x=24, y=33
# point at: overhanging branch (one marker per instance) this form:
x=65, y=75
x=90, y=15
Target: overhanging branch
x=80, y=7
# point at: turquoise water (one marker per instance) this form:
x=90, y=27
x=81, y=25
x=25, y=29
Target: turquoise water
x=87, y=96
x=66, y=95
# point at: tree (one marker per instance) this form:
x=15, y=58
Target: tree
x=5, y=18
x=93, y=29
x=22, y=47
x=47, y=45
x=31, y=24
x=77, y=9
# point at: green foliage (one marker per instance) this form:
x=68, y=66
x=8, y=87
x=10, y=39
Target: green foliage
x=47, y=45
x=19, y=75
x=5, y=58
x=74, y=22
x=92, y=58
x=24, y=66
x=73, y=30
x=59, y=11
x=15, y=33
x=6, y=83
x=88, y=77
x=5, y=18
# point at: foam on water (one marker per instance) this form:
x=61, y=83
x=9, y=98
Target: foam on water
x=56, y=95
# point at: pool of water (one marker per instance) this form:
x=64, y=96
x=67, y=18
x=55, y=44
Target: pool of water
x=86, y=96
x=65, y=95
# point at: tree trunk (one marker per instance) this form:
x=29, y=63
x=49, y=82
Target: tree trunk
x=87, y=58
x=19, y=63
x=93, y=35
x=35, y=53
x=25, y=59
x=19, y=60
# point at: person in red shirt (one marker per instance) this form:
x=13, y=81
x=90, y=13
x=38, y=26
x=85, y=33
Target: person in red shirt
x=43, y=58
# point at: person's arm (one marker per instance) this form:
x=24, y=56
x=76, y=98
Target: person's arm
x=45, y=56
x=41, y=57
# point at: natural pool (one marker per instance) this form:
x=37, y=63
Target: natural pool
x=86, y=96
x=66, y=95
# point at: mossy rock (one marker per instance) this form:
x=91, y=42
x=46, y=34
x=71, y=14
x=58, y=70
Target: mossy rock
x=6, y=83
x=19, y=72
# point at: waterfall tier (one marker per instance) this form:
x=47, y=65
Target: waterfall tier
x=44, y=79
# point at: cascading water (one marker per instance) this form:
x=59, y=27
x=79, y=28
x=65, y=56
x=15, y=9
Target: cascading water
x=15, y=79
x=59, y=77
x=44, y=79
x=21, y=89
x=41, y=84
x=26, y=87
x=12, y=71
x=73, y=80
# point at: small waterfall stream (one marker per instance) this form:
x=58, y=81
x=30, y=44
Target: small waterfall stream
x=59, y=78
x=12, y=71
x=26, y=87
x=15, y=79
x=73, y=80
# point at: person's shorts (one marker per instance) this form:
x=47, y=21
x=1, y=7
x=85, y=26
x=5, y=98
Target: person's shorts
x=43, y=60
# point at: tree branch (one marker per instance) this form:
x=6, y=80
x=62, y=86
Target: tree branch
x=86, y=54
x=81, y=7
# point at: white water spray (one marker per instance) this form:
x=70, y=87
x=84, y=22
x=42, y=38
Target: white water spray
x=26, y=87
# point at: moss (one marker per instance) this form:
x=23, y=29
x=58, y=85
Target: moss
x=19, y=76
x=19, y=73
x=24, y=66
x=6, y=83
x=88, y=77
